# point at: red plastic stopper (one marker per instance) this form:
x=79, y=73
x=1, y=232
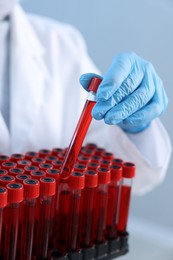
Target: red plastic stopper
x=15, y=192
x=116, y=172
x=31, y=188
x=129, y=170
x=91, y=179
x=76, y=180
x=3, y=197
x=104, y=175
x=47, y=186
x=95, y=82
x=4, y=180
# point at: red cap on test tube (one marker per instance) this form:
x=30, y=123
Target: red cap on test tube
x=56, y=151
x=117, y=161
x=23, y=163
x=16, y=156
x=21, y=177
x=47, y=186
x=44, y=152
x=95, y=82
x=30, y=168
x=31, y=188
x=76, y=181
x=4, y=158
x=16, y=171
x=38, y=174
x=53, y=173
x=116, y=172
x=45, y=166
x=3, y=197
x=104, y=175
x=57, y=164
x=91, y=179
x=129, y=170
x=8, y=165
x=15, y=192
x=3, y=172
x=37, y=160
x=29, y=155
x=4, y=180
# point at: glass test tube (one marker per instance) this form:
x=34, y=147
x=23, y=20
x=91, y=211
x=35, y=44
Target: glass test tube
x=8, y=165
x=80, y=131
x=30, y=154
x=16, y=156
x=4, y=180
x=47, y=191
x=87, y=212
x=31, y=193
x=37, y=160
x=114, y=189
x=4, y=158
x=3, y=204
x=128, y=174
x=16, y=171
x=76, y=185
x=15, y=197
x=100, y=207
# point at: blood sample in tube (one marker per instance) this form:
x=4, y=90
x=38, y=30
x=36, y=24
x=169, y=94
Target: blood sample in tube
x=114, y=189
x=47, y=191
x=88, y=202
x=128, y=175
x=3, y=204
x=15, y=197
x=76, y=185
x=100, y=208
x=31, y=193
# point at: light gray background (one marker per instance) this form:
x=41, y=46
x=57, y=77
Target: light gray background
x=146, y=27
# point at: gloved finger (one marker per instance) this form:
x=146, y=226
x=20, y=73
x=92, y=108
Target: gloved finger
x=119, y=71
x=85, y=79
x=130, y=105
x=142, y=118
x=128, y=86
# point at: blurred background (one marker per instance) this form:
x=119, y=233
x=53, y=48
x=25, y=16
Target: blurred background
x=146, y=27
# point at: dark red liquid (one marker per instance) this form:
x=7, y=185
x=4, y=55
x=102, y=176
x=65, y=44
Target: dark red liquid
x=88, y=199
x=62, y=214
x=124, y=208
x=11, y=232
x=100, y=209
x=27, y=229
x=73, y=222
x=77, y=139
x=113, y=196
x=43, y=228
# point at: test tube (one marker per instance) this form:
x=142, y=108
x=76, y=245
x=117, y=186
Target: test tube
x=45, y=166
x=80, y=131
x=4, y=158
x=3, y=204
x=128, y=175
x=114, y=189
x=80, y=168
x=50, y=158
x=31, y=193
x=76, y=185
x=55, y=151
x=47, y=191
x=100, y=207
x=62, y=214
x=88, y=202
x=15, y=197
x=57, y=164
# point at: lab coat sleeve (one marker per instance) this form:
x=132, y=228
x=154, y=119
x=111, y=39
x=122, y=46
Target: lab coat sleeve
x=150, y=149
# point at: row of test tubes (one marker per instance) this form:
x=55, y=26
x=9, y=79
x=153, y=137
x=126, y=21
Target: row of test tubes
x=43, y=216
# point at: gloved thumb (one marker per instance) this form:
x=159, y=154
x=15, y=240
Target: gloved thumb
x=85, y=79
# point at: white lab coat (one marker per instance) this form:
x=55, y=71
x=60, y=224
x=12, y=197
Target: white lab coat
x=46, y=99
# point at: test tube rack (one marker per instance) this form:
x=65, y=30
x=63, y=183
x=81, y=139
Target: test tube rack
x=46, y=164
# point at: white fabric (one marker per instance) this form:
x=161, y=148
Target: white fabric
x=47, y=59
x=6, y=7
x=4, y=70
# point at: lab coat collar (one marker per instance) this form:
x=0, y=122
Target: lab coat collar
x=28, y=75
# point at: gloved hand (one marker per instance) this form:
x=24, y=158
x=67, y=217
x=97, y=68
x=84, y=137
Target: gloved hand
x=130, y=95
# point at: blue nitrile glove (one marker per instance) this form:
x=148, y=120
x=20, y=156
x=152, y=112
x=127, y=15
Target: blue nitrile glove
x=130, y=95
